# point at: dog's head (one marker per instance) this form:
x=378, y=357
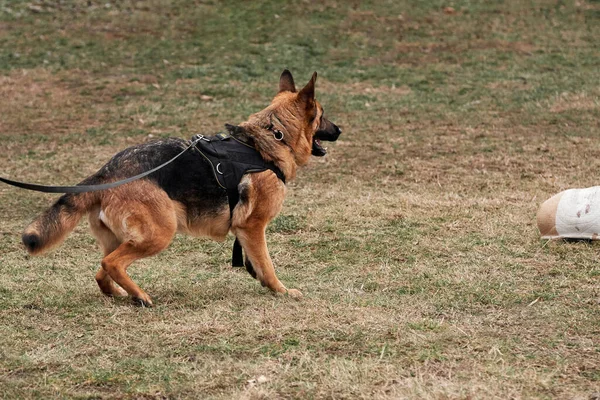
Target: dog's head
x=300, y=118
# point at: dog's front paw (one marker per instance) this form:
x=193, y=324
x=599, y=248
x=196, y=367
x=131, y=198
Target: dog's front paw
x=142, y=301
x=294, y=293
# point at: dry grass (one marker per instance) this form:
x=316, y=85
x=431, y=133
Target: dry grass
x=414, y=240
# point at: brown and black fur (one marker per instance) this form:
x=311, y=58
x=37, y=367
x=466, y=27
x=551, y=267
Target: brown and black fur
x=139, y=219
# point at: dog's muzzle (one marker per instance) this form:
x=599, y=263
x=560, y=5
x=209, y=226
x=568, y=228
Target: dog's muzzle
x=330, y=135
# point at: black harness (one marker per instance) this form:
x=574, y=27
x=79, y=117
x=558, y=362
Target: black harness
x=231, y=158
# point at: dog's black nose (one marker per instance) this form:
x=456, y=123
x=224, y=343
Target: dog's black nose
x=338, y=131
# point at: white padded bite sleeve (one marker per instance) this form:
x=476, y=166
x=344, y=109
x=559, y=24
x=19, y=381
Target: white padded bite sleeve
x=578, y=213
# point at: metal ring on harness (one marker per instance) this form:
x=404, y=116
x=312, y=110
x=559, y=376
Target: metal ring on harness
x=217, y=168
x=275, y=132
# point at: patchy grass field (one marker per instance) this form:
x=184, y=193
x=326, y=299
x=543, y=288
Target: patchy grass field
x=414, y=240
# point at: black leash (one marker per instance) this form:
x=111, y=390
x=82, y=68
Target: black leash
x=91, y=188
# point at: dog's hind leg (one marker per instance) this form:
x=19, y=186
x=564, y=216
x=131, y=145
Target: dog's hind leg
x=109, y=243
x=115, y=265
x=145, y=226
x=150, y=237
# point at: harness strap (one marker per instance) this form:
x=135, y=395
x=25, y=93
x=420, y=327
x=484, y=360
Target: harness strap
x=231, y=162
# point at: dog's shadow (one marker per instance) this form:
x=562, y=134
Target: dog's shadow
x=195, y=295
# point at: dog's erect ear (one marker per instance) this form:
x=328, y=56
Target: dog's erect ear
x=286, y=82
x=307, y=94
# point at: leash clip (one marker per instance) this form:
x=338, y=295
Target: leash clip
x=196, y=138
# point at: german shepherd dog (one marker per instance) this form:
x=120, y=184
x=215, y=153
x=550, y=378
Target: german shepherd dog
x=139, y=219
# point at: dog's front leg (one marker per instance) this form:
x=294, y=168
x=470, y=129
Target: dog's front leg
x=254, y=243
x=261, y=198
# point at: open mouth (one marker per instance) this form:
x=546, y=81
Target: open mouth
x=317, y=149
x=329, y=135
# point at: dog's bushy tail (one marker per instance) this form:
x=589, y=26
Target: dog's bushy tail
x=53, y=225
